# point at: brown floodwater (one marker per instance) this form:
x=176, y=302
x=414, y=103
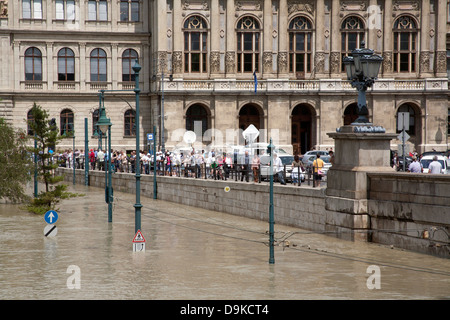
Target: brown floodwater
x=192, y=253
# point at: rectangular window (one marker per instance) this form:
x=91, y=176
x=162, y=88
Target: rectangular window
x=92, y=10
x=123, y=11
x=32, y=9
x=135, y=11
x=26, y=9
x=103, y=11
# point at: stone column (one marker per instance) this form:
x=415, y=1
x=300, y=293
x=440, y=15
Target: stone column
x=177, y=36
x=441, y=55
x=161, y=60
x=387, y=40
x=113, y=66
x=335, y=55
x=230, y=56
x=82, y=66
x=214, y=35
x=424, y=56
x=346, y=194
x=283, y=41
x=319, y=56
x=49, y=69
x=267, y=58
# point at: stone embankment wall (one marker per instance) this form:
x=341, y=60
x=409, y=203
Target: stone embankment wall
x=410, y=211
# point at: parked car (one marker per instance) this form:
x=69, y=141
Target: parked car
x=325, y=159
x=444, y=161
x=311, y=153
x=286, y=159
x=400, y=161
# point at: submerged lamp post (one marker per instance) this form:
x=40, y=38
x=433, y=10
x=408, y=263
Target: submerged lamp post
x=362, y=70
x=104, y=125
x=137, y=207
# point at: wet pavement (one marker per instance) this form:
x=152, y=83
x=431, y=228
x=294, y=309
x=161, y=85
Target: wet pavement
x=196, y=254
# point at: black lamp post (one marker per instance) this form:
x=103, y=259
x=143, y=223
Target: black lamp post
x=104, y=124
x=362, y=70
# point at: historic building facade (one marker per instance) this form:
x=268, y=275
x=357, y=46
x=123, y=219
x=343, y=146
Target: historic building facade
x=216, y=66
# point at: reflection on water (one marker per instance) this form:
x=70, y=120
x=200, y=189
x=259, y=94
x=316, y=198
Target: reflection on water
x=195, y=254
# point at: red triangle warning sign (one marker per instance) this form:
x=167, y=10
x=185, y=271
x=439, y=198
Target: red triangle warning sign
x=138, y=237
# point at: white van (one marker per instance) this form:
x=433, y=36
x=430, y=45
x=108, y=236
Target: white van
x=444, y=161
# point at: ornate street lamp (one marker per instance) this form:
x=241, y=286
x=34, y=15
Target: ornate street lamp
x=362, y=70
x=104, y=124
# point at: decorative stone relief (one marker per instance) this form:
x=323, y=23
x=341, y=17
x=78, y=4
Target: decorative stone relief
x=424, y=61
x=319, y=62
x=282, y=62
x=3, y=8
x=400, y=5
x=162, y=62
x=441, y=62
x=177, y=62
x=354, y=5
x=230, y=64
x=195, y=5
x=214, y=62
x=248, y=5
x=267, y=62
x=299, y=6
x=387, y=62
x=335, y=59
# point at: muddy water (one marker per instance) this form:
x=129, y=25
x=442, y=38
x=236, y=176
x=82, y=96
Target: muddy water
x=196, y=254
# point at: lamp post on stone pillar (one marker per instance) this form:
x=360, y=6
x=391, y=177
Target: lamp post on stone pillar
x=362, y=70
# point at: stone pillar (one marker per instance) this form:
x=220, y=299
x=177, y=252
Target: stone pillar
x=214, y=58
x=267, y=61
x=230, y=56
x=346, y=194
x=441, y=55
x=282, y=60
x=319, y=57
x=387, y=39
x=335, y=54
x=177, y=56
x=424, y=56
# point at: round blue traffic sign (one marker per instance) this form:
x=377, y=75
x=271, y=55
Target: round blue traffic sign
x=51, y=216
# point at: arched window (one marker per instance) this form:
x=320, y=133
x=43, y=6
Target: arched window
x=129, y=121
x=66, y=65
x=195, y=44
x=352, y=34
x=129, y=57
x=197, y=117
x=412, y=119
x=66, y=122
x=405, y=44
x=33, y=64
x=98, y=65
x=248, y=45
x=300, y=47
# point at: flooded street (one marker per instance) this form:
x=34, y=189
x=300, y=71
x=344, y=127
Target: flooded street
x=196, y=254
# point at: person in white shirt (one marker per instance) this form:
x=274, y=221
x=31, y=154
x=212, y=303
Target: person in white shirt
x=278, y=164
x=101, y=160
x=435, y=166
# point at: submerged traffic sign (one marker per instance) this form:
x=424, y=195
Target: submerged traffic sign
x=138, y=242
x=138, y=237
x=50, y=230
x=51, y=216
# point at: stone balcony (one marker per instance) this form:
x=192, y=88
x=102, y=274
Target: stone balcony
x=233, y=86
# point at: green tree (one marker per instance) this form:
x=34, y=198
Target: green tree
x=15, y=163
x=46, y=135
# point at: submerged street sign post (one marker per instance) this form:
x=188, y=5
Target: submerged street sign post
x=50, y=217
x=138, y=242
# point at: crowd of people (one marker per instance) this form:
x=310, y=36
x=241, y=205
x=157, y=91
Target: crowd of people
x=196, y=164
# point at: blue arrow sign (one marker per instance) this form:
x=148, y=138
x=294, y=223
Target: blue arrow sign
x=51, y=216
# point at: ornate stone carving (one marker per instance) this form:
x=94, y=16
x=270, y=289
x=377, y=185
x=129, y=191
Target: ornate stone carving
x=177, y=62
x=4, y=9
x=162, y=62
x=299, y=6
x=230, y=64
x=354, y=5
x=387, y=62
x=400, y=5
x=248, y=5
x=335, y=62
x=282, y=62
x=195, y=5
x=214, y=61
x=319, y=62
x=424, y=61
x=267, y=62
x=441, y=62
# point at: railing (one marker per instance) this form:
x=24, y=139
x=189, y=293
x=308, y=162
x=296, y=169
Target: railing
x=270, y=86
